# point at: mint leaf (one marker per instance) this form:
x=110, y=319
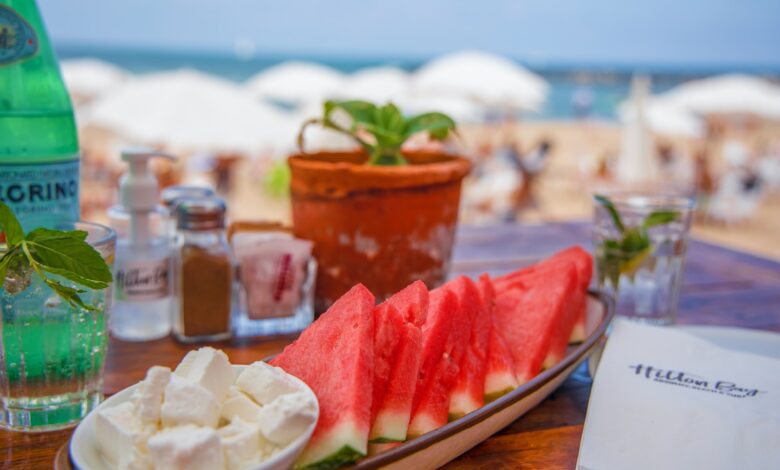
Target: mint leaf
x=68, y=294
x=10, y=225
x=386, y=124
x=71, y=257
x=437, y=125
x=607, y=204
x=660, y=218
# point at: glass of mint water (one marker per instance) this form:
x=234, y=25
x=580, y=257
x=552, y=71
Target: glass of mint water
x=52, y=351
x=640, y=243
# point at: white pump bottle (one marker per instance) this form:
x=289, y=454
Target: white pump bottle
x=142, y=268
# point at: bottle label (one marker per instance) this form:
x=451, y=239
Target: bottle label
x=142, y=280
x=17, y=38
x=42, y=194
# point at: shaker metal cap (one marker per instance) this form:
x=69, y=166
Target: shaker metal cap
x=200, y=213
x=172, y=194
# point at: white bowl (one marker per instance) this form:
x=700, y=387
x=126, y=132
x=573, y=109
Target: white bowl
x=85, y=453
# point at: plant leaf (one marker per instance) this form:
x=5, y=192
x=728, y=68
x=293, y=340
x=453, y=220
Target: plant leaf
x=438, y=125
x=10, y=225
x=6, y=260
x=360, y=111
x=610, y=207
x=660, y=218
x=69, y=253
x=68, y=294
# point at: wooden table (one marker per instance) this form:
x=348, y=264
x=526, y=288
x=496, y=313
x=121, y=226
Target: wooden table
x=721, y=287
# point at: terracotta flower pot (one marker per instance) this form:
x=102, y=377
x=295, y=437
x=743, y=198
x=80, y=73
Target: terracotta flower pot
x=384, y=226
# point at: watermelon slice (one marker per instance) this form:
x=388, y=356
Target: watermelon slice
x=583, y=262
x=398, y=346
x=531, y=317
x=499, y=366
x=335, y=357
x=445, y=333
x=412, y=302
x=544, y=273
x=468, y=394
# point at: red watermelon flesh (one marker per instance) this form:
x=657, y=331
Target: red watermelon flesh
x=531, y=318
x=412, y=302
x=335, y=357
x=446, y=333
x=397, y=344
x=554, y=270
x=388, y=324
x=584, y=263
x=499, y=366
x=500, y=377
x=468, y=394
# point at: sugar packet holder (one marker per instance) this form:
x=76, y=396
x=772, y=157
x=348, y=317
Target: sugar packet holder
x=276, y=271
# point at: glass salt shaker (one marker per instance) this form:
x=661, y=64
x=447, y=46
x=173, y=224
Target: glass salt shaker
x=203, y=268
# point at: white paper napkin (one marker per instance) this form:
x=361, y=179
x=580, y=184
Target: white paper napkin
x=664, y=399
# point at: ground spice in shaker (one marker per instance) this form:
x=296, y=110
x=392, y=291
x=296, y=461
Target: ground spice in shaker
x=204, y=274
x=205, y=287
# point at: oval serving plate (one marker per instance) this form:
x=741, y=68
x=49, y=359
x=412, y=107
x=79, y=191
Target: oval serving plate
x=438, y=447
x=85, y=454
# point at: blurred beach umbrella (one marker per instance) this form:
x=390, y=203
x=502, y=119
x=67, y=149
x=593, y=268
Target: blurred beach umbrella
x=189, y=110
x=87, y=79
x=636, y=164
x=489, y=79
x=296, y=83
x=727, y=94
x=459, y=108
x=665, y=118
x=377, y=84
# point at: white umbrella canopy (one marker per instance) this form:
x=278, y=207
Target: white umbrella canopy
x=189, y=110
x=296, y=83
x=665, y=118
x=87, y=79
x=489, y=79
x=460, y=109
x=727, y=94
x=377, y=84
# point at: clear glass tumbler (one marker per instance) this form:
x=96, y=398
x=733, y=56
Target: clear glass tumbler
x=52, y=354
x=640, y=243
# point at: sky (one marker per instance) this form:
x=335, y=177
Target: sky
x=653, y=32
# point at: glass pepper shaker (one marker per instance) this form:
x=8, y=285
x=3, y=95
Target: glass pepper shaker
x=203, y=270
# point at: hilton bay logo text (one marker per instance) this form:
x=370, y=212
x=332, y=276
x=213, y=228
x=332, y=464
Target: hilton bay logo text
x=695, y=382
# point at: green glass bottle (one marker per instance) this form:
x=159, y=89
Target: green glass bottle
x=39, y=151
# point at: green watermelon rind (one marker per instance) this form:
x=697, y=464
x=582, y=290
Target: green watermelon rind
x=389, y=427
x=493, y=396
x=341, y=457
x=342, y=444
x=461, y=404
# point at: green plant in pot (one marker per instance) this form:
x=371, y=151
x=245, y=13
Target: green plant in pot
x=377, y=215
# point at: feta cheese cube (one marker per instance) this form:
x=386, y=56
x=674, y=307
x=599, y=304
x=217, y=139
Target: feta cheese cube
x=120, y=436
x=264, y=382
x=238, y=404
x=186, y=448
x=210, y=369
x=241, y=443
x=185, y=402
x=148, y=397
x=287, y=417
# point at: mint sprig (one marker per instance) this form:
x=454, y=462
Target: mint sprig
x=50, y=252
x=386, y=125
x=626, y=254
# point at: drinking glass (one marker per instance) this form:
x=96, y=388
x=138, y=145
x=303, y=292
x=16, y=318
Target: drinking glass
x=51, y=353
x=642, y=264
